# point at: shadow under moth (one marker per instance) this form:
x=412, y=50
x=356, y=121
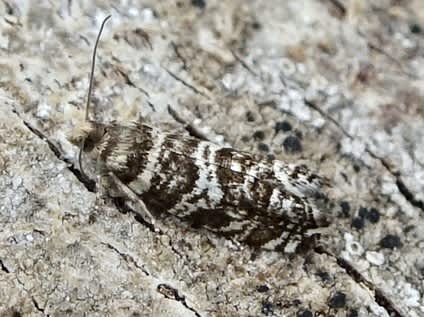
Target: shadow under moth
x=267, y=204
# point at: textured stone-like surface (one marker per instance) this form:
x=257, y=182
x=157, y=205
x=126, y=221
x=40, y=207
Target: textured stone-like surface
x=336, y=84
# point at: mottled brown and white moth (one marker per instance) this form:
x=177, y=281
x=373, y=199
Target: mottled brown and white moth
x=259, y=202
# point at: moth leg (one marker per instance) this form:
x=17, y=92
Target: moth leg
x=140, y=206
x=101, y=192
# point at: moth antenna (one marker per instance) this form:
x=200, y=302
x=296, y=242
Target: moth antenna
x=90, y=88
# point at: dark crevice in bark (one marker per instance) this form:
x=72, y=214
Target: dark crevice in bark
x=37, y=306
x=172, y=293
x=127, y=258
x=379, y=296
x=191, y=129
x=403, y=189
x=339, y=7
x=408, y=195
x=129, y=82
x=88, y=183
x=391, y=58
x=244, y=64
x=3, y=267
x=121, y=204
x=182, y=81
x=179, y=56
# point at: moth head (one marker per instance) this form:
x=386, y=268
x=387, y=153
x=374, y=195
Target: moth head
x=87, y=135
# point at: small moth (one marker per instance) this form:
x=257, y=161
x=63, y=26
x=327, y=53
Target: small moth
x=267, y=204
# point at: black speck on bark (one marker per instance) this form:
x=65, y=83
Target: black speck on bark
x=345, y=206
x=259, y=135
x=338, y=300
x=283, y=126
x=304, y=313
x=250, y=116
x=262, y=288
x=199, y=3
x=390, y=241
x=352, y=313
x=292, y=144
x=263, y=147
x=267, y=308
x=358, y=223
x=373, y=215
x=363, y=212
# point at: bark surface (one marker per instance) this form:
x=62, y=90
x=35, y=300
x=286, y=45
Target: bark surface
x=335, y=84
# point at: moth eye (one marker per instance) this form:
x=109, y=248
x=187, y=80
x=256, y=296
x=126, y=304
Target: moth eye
x=88, y=145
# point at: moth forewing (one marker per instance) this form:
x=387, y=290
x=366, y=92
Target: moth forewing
x=262, y=203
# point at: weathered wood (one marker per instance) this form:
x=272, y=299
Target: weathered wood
x=333, y=84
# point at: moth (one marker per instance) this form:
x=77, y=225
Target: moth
x=262, y=203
